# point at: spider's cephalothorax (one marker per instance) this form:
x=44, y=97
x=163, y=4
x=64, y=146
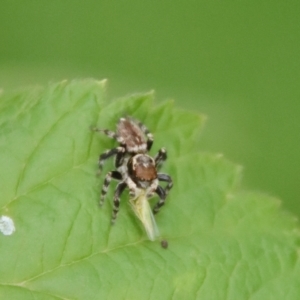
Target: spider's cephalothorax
x=135, y=169
x=142, y=170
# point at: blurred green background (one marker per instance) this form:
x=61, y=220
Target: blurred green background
x=236, y=61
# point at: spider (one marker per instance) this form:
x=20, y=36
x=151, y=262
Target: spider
x=135, y=169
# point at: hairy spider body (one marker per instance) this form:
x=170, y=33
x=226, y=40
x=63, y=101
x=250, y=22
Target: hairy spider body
x=132, y=135
x=135, y=169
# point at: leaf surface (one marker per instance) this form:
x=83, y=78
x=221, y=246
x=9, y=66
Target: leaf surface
x=224, y=243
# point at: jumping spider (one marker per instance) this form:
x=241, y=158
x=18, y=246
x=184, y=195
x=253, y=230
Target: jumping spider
x=135, y=169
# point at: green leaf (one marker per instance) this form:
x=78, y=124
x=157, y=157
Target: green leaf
x=224, y=243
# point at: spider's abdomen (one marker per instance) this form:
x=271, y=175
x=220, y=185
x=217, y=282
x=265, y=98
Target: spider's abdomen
x=141, y=167
x=132, y=135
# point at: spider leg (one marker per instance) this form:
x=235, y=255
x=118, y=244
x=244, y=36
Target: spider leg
x=166, y=178
x=160, y=157
x=147, y=133
x=110, y=134
x=162, y=198
x=120, y=159
x=107, y=154
x=109, y=176
x=119, y=190
x=149, y=140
